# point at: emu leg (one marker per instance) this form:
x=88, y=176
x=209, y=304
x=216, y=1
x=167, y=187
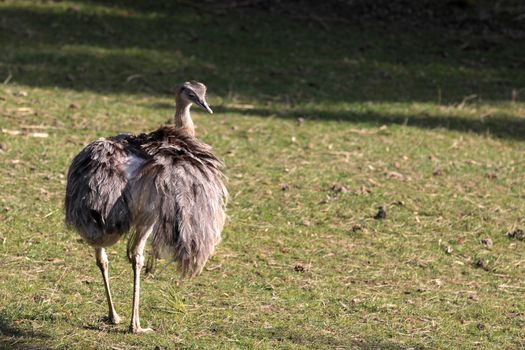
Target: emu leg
x=102, y=263
x=136, y=254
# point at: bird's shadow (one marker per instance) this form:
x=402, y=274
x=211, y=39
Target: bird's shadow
x=17, y=336
x=106, y=327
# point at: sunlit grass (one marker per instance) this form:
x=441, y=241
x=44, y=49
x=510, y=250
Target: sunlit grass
x=312, y=152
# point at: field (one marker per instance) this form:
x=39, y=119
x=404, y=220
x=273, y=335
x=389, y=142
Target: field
x=320, y=124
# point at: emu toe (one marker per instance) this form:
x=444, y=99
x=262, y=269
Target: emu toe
x=137, y=330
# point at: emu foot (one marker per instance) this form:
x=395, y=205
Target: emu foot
x=112, y=319
x=137, y=330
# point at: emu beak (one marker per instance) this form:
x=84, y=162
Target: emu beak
x=205, y=106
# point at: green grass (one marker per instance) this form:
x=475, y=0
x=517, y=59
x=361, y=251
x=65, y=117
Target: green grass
x=303, y=264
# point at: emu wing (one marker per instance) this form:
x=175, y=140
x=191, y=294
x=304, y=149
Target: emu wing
x=97, y=200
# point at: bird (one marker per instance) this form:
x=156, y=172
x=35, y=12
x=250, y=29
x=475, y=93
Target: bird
x=165, y=187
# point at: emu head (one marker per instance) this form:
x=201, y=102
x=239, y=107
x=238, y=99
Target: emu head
x=194, y=92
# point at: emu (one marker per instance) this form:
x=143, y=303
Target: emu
x=166, y=186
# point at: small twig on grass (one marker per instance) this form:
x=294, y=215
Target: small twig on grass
x=19, y=132
x=368, y=132
x=57, y=283
x=133, y=77
x=234, y=4
x=50, y=213
x=8, y=79
x=466, y=100
x=39, y=127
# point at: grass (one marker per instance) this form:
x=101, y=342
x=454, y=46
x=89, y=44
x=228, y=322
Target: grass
x=318, y=126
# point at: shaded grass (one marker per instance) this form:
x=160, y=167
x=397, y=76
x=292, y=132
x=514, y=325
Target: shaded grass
x=303, y=264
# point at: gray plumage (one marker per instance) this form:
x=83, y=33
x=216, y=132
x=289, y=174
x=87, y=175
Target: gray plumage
x=166, y=185
x=180, y=187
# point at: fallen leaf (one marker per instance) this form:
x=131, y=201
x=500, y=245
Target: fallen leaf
x=11, y=132
x=38, y=134
x=25, y=110
x=363, y=190
x=307, y=223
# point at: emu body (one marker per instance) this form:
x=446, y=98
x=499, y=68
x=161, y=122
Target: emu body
x=165, y=186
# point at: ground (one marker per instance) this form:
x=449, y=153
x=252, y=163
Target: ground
x=321, y=123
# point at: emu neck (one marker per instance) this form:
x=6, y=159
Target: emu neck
x=183, y=118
